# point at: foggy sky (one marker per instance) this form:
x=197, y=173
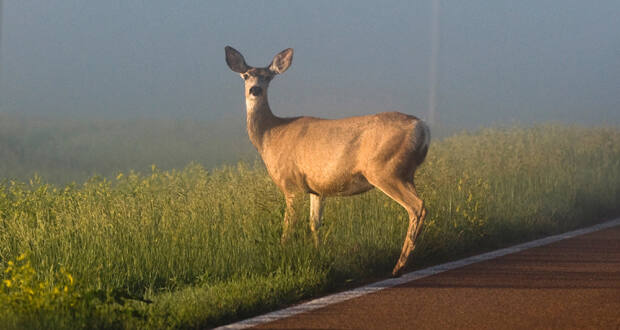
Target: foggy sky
x=498, y=61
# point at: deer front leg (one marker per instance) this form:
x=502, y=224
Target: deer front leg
x=316, y=212
x=289, y=217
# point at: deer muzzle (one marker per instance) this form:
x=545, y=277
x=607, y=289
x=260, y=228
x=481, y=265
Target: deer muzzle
x=256, y=91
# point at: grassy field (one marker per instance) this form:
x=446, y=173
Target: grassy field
x=196, y=247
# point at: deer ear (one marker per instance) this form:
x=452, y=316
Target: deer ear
x=282, y=61
x=235, y=60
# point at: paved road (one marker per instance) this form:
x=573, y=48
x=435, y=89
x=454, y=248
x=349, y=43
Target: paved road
x=574, y=283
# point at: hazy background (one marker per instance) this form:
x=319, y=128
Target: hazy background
x=497, y=62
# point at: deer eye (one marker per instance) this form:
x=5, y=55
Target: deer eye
x=245, y=76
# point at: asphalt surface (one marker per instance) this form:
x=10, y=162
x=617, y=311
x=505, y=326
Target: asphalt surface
x=573, y=283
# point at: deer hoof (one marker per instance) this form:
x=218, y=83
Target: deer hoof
x=397, y=272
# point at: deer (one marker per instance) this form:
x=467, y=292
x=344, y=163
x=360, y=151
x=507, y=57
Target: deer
x=333, y=157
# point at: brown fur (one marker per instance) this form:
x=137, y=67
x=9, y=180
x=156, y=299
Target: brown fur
x=339, y=157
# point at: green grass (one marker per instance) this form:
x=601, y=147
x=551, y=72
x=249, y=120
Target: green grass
x=196, y=248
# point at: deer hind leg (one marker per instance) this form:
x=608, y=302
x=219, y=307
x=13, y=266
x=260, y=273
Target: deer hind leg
x=290, y=217
x=316, y=212
x=404, y=193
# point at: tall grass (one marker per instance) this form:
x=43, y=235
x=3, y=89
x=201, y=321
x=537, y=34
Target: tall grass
x=195, y=248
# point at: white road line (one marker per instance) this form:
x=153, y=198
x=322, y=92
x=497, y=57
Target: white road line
x=377, y=286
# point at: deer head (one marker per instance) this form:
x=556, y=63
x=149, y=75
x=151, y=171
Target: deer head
x=257, y=79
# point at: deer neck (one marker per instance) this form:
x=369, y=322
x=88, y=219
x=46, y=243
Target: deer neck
x=260, y=120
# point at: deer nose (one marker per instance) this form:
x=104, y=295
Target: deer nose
x=256, y=91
